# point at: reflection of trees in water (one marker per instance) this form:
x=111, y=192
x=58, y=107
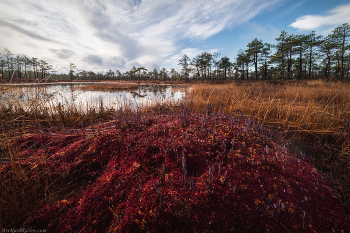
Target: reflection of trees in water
x=135, y=94
x=73, y=95
x=156, y=89
x=68, y=95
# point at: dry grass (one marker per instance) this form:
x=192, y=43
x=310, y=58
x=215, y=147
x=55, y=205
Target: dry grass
x=18, y=107
x=108, y=87
x=316, y=112
x=314, y=107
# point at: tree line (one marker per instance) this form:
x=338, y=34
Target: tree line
x=22, y=66
x=303, y=56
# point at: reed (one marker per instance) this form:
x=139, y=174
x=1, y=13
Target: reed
x=311, y=107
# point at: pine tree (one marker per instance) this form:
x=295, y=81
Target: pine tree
x=185, y=62
x=266, y=52
x=225, y=64
x=300, y=42
x=342, y=36
x=312, y=41
x=327, y=47
x=254, y=51
x=281, y=50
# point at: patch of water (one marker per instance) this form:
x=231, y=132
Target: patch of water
x=68, y=95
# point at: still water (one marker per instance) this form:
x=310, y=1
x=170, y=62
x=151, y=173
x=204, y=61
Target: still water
x=69, y=95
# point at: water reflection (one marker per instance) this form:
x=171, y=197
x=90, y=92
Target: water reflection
x=68, y=94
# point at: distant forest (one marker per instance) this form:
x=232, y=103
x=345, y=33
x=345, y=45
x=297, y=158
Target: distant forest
x=293, y=57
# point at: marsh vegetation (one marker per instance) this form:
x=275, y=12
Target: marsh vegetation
x=273, y=151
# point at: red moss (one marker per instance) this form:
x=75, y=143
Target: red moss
x=257, y=186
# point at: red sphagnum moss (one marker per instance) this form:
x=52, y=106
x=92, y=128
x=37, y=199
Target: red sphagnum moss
x=188, y=172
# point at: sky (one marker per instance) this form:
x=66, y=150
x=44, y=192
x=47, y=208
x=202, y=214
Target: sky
x=102, y=35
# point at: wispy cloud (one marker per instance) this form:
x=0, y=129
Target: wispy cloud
x=334, y=17
x=62, y=53
x=21, y=30
x=109, y=34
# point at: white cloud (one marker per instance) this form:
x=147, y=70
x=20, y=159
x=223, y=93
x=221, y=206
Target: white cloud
x=109, y=34
x=334, y=17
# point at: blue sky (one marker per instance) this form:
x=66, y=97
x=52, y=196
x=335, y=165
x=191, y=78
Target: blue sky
x=100, y=35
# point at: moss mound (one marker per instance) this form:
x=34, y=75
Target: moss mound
x=186, y=172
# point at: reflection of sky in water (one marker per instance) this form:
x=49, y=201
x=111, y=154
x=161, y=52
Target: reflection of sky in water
x=145, y=95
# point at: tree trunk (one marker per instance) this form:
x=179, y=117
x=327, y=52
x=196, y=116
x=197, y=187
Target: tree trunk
x=243, y=71
x=290, y=64
x=256, y=66
x=18, y=71
x=265, y=69
x=247, y=71
x=310, y=65
x=25, y=70
x=338, y=66
x=347, y=75
x=282, y=61
x=342, y=56
x=300, y=64
x=328, y=62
